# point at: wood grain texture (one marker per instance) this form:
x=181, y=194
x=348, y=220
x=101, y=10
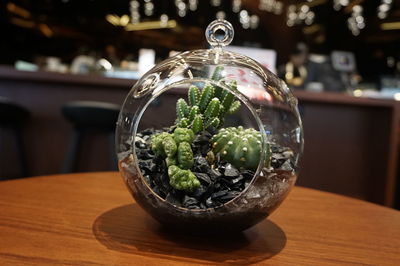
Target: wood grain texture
x=90, y=219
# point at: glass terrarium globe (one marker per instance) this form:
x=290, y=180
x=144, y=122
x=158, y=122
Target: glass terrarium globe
x=242, y=157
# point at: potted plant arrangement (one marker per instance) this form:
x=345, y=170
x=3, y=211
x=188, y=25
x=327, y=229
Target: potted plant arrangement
x=198, y=172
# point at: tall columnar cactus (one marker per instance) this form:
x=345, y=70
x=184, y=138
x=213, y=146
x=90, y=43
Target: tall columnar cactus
x=240, y=147
x=207, y=108
x=176, y=150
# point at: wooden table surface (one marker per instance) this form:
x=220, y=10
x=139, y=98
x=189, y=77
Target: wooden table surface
x=91, y=219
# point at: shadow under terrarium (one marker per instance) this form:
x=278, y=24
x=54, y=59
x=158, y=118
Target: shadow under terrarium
x=129, y=229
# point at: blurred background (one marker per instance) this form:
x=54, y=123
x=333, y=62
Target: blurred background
x=65, y=62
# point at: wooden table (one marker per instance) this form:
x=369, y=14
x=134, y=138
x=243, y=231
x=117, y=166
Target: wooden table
x=90, y=219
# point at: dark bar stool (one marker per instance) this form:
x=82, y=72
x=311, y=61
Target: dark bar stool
x=13, y=117
x=89, y=116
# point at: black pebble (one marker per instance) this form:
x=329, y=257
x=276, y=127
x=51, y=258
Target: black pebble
x=219, y=194
x=214, y=174
x=210, y=203
x=203, y=178
x=148, y=180
x=189, y=201
x=286, y=166
x=199, y=193
x=201, y=164
x=248, y=174
x=171, y=198
x=140, y=145
x=144, y=154
x=202, y=138
x=218, y=186
x=237, y=179
x=229, y=196
x=148, y=131
x=231, y=171
x=145, y=165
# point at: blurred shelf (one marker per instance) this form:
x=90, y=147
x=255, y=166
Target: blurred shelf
x=10, y=73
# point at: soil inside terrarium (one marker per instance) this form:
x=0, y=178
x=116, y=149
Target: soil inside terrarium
x=221, y=182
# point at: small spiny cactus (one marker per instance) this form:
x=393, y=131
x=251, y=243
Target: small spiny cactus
x=207, y=108
x=238, y=146
x=182, y=109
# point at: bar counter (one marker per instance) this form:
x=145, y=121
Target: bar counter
x=350, y=142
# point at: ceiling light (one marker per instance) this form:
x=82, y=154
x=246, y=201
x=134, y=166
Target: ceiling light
x=13, y=8
x=151, y=25
x=390, y=26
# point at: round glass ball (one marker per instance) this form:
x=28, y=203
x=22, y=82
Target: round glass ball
x=245, y=149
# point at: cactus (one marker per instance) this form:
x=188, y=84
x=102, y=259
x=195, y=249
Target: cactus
x=157, y=144
x=207, y=108
x=194, y=111
x=176, y=150
x=182, y=179
x=202, y=110
x=240, y=147
x=215, y=122
x=169, y=145
x=206, y=96
x=198, y=124
x=185, y=155
x=234, y=107
x=182, y=109
x=212, y=109
x=193, y=95
x=217, y=75
x=183, y=135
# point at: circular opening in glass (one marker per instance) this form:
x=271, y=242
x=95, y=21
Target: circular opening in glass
x=158, y=116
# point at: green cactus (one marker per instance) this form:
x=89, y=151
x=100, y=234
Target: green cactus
x=214, y=122
x=169, y=145
x=240, y=147
x=202, y=110
x=182, y=179
x=176, y=150
x=157, y=143
x=227, y=97
x=183, y=135
x=207, y=108
x=212, y=109
x=234, y=107
x=183, y=123
x=194, y=111
x=185, y=155
x=170, y=161
x=193, y=95
x=182, y=109
x=217, y=75
x=206, y=96
x=198, y=124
